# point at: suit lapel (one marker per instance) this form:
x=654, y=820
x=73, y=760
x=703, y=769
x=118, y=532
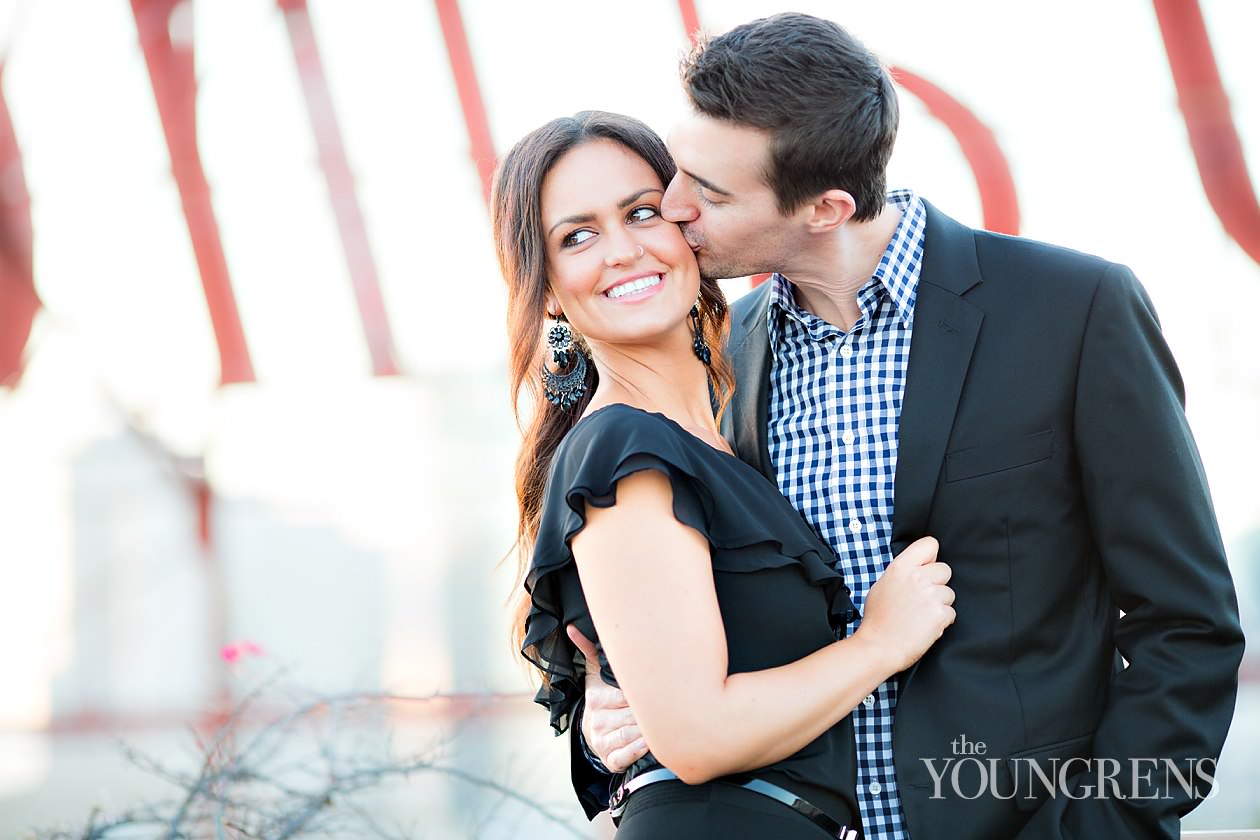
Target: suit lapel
x=746, y=421
x=945, y=332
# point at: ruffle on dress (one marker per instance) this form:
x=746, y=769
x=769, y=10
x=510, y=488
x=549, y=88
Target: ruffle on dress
x=750, y=527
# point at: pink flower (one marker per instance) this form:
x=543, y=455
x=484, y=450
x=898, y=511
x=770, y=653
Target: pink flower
x=232, y=653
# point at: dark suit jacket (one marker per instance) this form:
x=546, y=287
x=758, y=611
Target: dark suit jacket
x=1042, y=441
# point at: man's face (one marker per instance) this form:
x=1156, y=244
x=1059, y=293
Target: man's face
x=721, y=201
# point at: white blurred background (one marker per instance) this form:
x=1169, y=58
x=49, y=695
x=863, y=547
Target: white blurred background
x=356, y=521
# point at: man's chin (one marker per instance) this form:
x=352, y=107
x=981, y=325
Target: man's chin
x=712, y=271
x=709, y=269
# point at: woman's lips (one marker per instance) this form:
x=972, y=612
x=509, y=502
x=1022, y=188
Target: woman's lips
x=637, y=288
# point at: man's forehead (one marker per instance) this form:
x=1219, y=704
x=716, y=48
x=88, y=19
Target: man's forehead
x=730, y=156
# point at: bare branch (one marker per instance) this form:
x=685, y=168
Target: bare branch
x=296, y=774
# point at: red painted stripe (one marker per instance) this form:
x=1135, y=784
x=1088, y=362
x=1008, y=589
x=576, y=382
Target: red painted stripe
x=690, y=19
x=355, y=245
x=482, y=144
x=18, y=300
x=998, y=201
x=1213, y=136
x=171, y=72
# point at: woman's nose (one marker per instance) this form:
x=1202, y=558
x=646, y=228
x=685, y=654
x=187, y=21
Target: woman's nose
x=624, y=254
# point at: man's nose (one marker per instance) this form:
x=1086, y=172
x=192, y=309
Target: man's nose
x=675, y=207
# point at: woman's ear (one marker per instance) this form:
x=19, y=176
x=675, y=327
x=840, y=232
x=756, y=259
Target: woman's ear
x=551, y=306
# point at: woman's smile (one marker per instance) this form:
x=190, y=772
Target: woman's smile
x=634, y=289
x=607, y=243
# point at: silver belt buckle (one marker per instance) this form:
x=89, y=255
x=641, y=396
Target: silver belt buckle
x=617, y=802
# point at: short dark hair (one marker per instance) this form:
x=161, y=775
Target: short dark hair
x=826, y=100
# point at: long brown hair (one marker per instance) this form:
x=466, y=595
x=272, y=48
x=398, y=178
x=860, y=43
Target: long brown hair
x=520, y=243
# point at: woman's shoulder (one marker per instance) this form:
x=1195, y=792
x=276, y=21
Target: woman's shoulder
x=619, y=420
x=612, y=443
x=612, y=434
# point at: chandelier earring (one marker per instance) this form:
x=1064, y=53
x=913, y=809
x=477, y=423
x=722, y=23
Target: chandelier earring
x=698, y=345
x=564, y=387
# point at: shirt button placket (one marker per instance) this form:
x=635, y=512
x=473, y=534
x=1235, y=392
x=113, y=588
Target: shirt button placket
x=834, y=404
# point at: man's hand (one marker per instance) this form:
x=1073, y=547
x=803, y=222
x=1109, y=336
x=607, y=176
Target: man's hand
x=608, y=726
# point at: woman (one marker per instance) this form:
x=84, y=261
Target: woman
x=713, y=603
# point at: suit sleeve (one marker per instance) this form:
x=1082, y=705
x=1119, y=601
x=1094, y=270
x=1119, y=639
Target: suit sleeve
x=1148, y=505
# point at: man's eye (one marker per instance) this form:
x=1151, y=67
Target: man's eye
x=642, y=214
x=576, y=238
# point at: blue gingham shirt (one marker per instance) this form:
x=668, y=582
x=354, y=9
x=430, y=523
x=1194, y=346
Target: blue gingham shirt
x=835, y=401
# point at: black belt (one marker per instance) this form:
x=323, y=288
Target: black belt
x=617, y=804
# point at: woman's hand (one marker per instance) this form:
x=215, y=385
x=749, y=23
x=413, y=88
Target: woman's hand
x=648, y=581
x=910, y=606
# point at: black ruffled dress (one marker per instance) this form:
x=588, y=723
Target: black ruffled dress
x=778, y=592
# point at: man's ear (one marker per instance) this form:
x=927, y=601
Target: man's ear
x=829, y=210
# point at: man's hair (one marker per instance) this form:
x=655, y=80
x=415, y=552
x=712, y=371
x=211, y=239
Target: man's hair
x=825, y=99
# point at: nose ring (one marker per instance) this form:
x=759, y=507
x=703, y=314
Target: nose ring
x=641, y=252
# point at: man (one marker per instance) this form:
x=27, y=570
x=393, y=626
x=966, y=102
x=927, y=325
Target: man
x=902, y=375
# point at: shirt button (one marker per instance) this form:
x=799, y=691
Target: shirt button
x=848, y=437
x=855, y=525
x=868, y=700
x=875, y=788
x=845, y=351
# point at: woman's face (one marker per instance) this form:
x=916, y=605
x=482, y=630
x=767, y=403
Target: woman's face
x=618, y=271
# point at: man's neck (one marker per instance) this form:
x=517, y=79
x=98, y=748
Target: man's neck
x=828, y=278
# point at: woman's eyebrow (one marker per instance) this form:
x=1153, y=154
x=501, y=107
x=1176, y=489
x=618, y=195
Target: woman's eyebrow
x=621, y=205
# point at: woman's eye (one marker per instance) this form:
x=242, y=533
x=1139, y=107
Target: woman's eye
x=642, y=214
x=576, y=238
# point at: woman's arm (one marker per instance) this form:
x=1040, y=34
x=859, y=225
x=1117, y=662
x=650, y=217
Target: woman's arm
x=648, y=581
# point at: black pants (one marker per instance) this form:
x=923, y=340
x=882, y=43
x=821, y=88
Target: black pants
x=669, y=810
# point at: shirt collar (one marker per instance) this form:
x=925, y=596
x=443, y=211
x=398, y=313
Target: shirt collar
x=897, y=272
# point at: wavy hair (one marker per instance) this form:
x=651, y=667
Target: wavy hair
x=520, y=243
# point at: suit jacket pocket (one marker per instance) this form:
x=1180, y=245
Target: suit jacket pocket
x=1036, y=773
x=996, y=457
